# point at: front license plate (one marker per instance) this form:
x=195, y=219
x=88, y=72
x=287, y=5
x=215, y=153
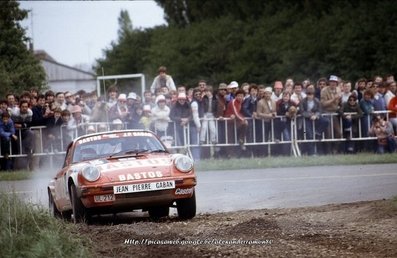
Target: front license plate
x=144, y=187
x=104, y=198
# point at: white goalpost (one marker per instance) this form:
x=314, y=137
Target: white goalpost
x=116, y=77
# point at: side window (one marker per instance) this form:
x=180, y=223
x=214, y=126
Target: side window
x=68, y=155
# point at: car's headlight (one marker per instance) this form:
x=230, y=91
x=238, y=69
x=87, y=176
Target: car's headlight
x=183, y=163
x=91, y=173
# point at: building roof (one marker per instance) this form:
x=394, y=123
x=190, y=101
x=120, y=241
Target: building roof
x=60, y=72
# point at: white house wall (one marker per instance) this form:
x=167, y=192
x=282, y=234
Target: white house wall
x=65, y=78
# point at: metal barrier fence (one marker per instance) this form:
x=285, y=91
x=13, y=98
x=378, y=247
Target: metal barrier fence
x=267, y=135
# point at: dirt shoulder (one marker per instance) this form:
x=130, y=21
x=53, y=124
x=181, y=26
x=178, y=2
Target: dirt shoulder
x=363, y=229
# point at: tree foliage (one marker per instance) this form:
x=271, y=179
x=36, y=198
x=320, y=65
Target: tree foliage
x=19, y=69
x=263, y=41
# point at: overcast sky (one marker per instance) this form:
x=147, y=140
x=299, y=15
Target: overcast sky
x=76, y=32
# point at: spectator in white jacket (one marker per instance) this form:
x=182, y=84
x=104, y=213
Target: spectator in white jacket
x=160, y=116
x=162, y=80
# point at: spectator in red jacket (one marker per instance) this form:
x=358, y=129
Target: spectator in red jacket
x=237, y=123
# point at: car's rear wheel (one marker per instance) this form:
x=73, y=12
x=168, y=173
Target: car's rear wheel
x=159, y=212
x=79, y=211
x=52, y=207
x=186, y=207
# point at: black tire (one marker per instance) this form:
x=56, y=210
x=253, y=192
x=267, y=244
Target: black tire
x=186, y=207
x=79, y=211
x=52, y=207
x=158, y=212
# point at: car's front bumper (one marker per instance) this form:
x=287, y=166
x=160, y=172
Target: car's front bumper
x=111, y=202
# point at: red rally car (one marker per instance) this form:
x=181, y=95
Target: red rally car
x=121, y=171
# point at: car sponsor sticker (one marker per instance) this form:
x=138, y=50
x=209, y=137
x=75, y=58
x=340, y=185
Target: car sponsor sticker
x=123, y=164
x=183, y=191
x=144, y=187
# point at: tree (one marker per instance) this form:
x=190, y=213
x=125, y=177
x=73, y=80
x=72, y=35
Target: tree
x=19, y=69
x=263, y=41
x=128, y=54
x=125, y=25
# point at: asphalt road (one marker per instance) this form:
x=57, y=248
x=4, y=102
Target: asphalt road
x=219, y=191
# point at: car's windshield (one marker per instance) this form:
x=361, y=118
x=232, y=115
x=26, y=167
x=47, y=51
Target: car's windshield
x=107, y=147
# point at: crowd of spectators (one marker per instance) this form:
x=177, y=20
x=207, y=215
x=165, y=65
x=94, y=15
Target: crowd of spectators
x=246, y=116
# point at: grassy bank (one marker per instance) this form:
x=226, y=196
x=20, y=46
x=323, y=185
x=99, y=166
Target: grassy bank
x=278, y=162
x=251, y=163
x=29, y=231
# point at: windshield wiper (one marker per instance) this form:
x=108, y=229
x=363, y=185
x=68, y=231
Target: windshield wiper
x=158, y=151
x=128, y=152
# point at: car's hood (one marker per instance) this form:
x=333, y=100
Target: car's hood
x=132, y=168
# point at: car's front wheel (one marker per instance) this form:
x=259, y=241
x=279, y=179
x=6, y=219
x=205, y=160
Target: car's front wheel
x=52, y=207
x=79, y=211
x=186, y=207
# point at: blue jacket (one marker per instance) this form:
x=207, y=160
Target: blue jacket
x=6, y=130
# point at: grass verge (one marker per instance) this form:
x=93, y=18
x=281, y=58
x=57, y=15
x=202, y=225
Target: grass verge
x=30, y=231
x=252, y=163
x=15, y=175
x=304, y=161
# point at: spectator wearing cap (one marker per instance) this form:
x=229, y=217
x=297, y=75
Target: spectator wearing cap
x=161, y=116
x=181, y=115
x=120, y=110
x=237, y=123
x=278, y=90
x=77, y=122
x=132, y=100
x=314, y=124
x=162, y=80
x=112, y=95
x=266, y=111
x=146, y=117
x=231, y=91
x=330, y=104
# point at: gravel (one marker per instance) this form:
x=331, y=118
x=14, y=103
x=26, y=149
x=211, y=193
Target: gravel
x=363, y=229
